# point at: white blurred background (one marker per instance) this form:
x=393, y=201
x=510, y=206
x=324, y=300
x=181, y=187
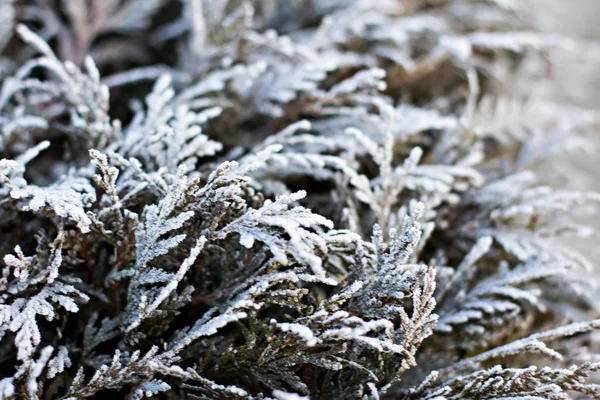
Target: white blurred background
x=578, y=83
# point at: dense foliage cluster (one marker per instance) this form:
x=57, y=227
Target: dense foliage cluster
x=288, y=199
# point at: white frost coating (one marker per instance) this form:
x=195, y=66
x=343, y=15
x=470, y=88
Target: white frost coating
x=171, y=285
x=532, y=343
x=150, y=389
x=7, y=389
x=368, y=79
x=268, y=222
x=207, y=329
x=302, y=331
x=36, y=369
x=59, y=362
x=169, y=134
x=317, y=278
x=67, y=203
x=392, y=162
x=20, y=316
x=281, y=395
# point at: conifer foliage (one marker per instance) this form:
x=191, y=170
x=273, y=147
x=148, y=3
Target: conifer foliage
x=288, y=199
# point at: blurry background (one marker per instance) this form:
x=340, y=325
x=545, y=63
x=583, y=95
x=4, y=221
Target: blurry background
x=578, y=83
x=578, y=17
x=579, y=78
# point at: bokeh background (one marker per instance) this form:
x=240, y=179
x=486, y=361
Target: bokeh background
x=578, y=83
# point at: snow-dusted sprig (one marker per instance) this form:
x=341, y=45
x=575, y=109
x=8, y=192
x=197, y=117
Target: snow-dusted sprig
x=312, y=155
x=20, y=264
x=59, y=363
x=384, y=293
x=524, y=218
x=86, y=100
x=33, y=371
x=502, y=303
x=66, y=198
x=13, y=170
x=468, y=378
x=533, y=343
x=537, y=127
x=41, y=268
x=168, y=134
x=274, y=219
x=156, y=222
x=297, y=309
x=331, y=326
x=517, y=383
x=208, y=388
x=148, y=306
x=108, y=178
x=434, y=183
x=124, y=369
x=37, y=291
x=414, y=329
x=254, y=294
x=223, y=197
x=20, y=316
x=150, y=389
x=160, y=219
